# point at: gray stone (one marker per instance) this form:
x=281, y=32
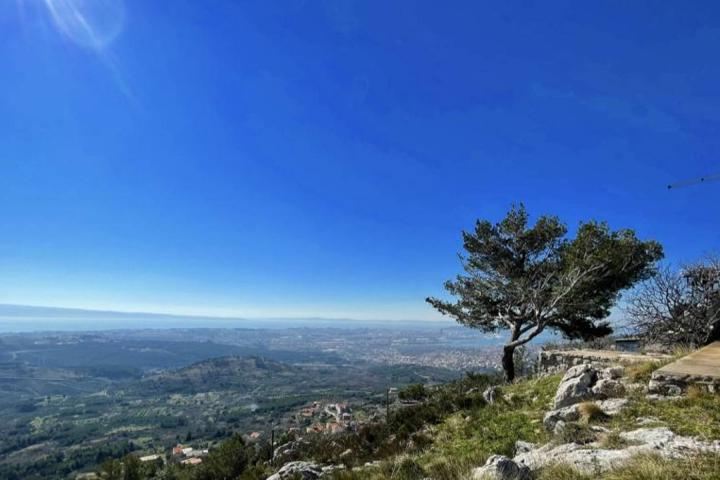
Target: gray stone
x=572, y=413
x=500, y=467
x=607, y=388
x=566, y=414
x=306, y=471
x=559, y=427
x=612, y=373
x=583, y=459
x=590, y=459
x=612, y=406
x=524, y=447
x=575, y=386
x=491, y=394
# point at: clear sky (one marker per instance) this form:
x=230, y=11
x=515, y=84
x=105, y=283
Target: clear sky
x=297, y=158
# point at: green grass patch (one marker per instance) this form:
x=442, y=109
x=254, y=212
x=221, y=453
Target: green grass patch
x=695, y=415
x=468, y=438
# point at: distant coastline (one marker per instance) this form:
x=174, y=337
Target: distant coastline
x=26, y=318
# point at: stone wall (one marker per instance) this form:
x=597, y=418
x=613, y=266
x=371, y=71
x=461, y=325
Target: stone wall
x=666, y=384
x=558, y=361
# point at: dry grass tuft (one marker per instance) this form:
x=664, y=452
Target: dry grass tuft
x=590, y=412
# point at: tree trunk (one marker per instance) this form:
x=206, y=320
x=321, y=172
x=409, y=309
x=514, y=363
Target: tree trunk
x=508, y=363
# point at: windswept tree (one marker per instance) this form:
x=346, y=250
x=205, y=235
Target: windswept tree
x=679, y=307
x=528, y=279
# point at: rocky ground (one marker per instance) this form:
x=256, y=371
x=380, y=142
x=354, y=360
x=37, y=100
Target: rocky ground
x=595, y=420
x=588, y=392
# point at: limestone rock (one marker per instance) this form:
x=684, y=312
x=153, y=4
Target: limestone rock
x=612, y=406
x=491, y=394
x=572, y=413
x=305, y=471
x=607, y=388
x=500, y=467
x=590, y=459
x=524, y=447
x=575, y=386
x=612, y=373
x=566, y=414
x=583, y=459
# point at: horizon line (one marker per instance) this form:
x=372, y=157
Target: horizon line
x=217, y=317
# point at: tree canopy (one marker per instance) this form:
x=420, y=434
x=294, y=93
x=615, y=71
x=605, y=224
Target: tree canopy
x=528, y=279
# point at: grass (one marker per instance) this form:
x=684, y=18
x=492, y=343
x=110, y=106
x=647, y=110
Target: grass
x=646, y=467
x=653, y=467
x=575, y=432
x=464, y=440
x=469, y=438
x=642, y=372
x=697, y=414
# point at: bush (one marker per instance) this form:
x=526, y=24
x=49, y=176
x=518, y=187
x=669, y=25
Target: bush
x=415, y=391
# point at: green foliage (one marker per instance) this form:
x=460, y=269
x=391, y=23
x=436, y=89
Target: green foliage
x=416, y=391
x=111, y=470
x=530, y=278
x=228, y=461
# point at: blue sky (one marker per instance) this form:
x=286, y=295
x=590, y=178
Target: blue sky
x=311, y=158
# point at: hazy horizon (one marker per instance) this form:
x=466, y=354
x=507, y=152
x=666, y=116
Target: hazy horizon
x=36, y=318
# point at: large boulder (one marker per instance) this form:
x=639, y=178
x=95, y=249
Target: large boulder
x=500, y=467
x=588, y=382
x=575, y=386
x=303, y=470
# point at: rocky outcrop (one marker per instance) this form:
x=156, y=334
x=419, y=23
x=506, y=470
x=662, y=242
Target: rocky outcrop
x=584, y=383
x=591, y=459
x=303, y=470
x=575, y=386
x=572, y=413
x=500, y=467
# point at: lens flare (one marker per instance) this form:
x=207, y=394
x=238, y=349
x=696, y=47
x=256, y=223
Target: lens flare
x=91, y=24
